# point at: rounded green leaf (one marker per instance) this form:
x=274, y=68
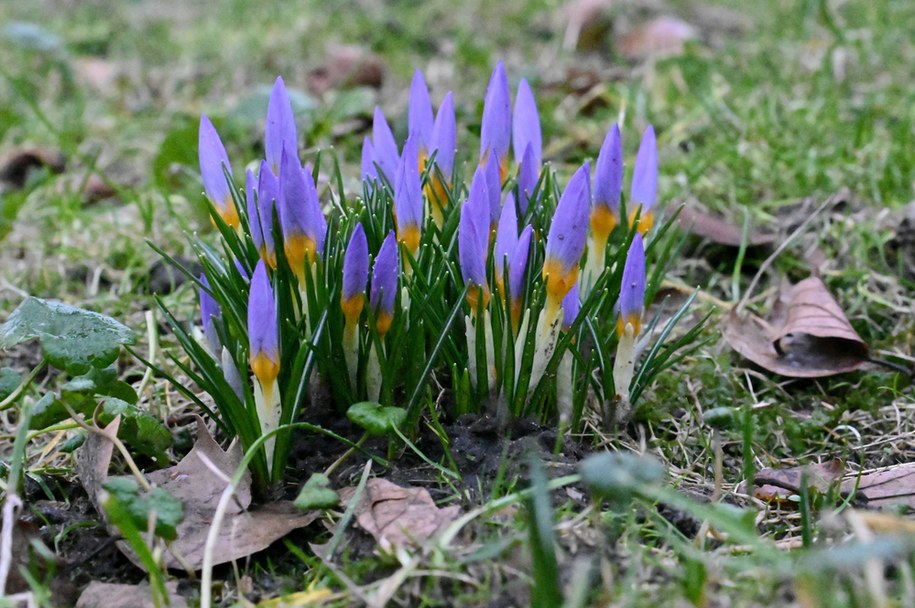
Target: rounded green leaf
x=72, y=339
x=317, y=494
x=375, y=418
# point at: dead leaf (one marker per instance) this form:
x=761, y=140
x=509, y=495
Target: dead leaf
x=398, y=516
x=777, y=485
x=194, y=483
x=588, y=24
x=663, y=36
x=807, y=336
x=92, y=461
x=114, y=595
x=96, y=189
x=885, y=488
x=346, y=67
x=199, y=488
x=15, y=166
x=701, y=223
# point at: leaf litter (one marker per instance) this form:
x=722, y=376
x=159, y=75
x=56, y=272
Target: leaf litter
x=806, y=336
x=198, y=480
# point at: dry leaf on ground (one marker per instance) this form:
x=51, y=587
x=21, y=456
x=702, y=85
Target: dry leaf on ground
x=890, y=487
x=807, y=336
x=15, y=166
x=663, y=36
x=114, y=595
x=192, y=481
x=345, y=67
x=398, y=516
x=701, y=223
x=777, y=485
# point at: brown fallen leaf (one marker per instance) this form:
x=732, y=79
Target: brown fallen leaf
x=345, y=67
x=92, y=461
x=777, y=485
x=115, y=595
x=244, y=531
x=663, y=36
x=398, y=516
x=701, y=223
x=807, y=336
x=588, y=26
x=890, y=487
x=15, y=166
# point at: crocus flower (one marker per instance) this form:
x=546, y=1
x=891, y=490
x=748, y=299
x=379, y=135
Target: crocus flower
x=260, y=215
x=280, y=130
x=528, y=175
x=506, y=239
x=209, y=312
x=566, y=239
x=443, y=142
x=645, y=181
x=632, y=289
x=473, y=243
x=494, y=192
x=369, y=173
x=384, y=284
x=303, y=223
x=512, y=251
x=355, y=275
x=495, y=128
x=386, y=155
x=608, y=183
x=526, y=125
x=263, y=332
x=420, y=119
x=408, y=199
x=213, y=163
x=570, y=307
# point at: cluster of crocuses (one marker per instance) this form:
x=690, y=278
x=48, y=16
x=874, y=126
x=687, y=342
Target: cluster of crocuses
x=509, y=247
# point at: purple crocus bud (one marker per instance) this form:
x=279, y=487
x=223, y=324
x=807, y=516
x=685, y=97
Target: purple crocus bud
x=506, y=239
x=444, y=137
x=517, y=265
x=632, y=289
x=260, y=216
x=369, y=173
x=408, y=198
x=303, y=223
x=263, y=332
x=473, y=243
x=496, y=125
x=528, y=174
x=494, y=190
x=386, y=155
x=385, y=272
x=213, y=163
x=566, y=239
x=280, y=129
x=570, y=307
x=241, y=270
x=526, y=125
x=209, y=312
x=645, y=181
x=443, y=142
x=608, y=184
x=355, y=275
x=419, y=117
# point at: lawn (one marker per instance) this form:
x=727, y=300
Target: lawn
x=786, y=128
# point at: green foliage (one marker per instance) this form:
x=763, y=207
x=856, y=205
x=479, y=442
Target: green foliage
x=156, y=505
x=375, y=418
x=72, y=339
x=9, y=381
x=317, y=494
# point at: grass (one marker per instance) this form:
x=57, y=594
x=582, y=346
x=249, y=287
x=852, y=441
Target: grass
x=809, y=99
